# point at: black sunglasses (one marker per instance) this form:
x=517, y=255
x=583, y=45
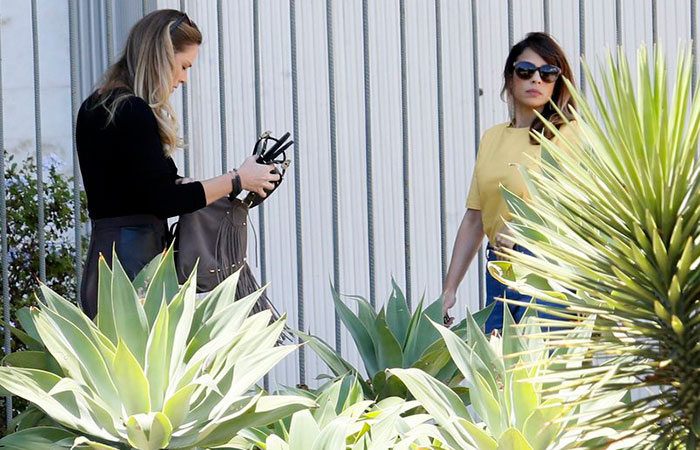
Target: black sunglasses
x=179, y=21
x=525, y=70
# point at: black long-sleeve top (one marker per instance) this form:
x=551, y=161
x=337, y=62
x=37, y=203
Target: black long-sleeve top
x=125, y=170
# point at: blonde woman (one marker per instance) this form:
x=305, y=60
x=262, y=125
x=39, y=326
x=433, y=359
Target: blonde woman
x=533, y=75
x=126, y=134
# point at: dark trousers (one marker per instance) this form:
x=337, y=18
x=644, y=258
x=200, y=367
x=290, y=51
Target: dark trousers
x=136, y=241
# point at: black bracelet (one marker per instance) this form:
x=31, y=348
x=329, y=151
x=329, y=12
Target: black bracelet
x=236, y=181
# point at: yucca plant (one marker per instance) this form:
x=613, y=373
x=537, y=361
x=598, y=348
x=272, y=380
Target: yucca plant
x=344, y=420
x=392, y=337
x=614, y=224
x=507, y=390
x=163, y=371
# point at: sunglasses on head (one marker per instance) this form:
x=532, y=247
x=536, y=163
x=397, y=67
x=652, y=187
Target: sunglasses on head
x=179, y=21
x=525, y=70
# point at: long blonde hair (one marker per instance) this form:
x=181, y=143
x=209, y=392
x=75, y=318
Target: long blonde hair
x=145, y=69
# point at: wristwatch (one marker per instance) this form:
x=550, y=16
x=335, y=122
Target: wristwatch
x=236, y=182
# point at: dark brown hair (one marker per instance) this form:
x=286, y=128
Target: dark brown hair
x=549, y=50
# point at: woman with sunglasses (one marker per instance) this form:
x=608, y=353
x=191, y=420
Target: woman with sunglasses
x=126, y=134
x=533, y=76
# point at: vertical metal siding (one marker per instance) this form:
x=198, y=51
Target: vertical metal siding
x=528, y=16
x=460, y=134
x=674, y=28
x=314, y=126
x=424, y=175
x=387, y=183
x=385, y=134
x=281, y=215
x=352, y=159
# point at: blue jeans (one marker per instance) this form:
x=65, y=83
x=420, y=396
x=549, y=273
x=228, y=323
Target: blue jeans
x=495, y=289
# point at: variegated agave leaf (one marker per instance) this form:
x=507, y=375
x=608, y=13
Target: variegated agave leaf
x=160, y=371
x=507, y=391
x=345, y=420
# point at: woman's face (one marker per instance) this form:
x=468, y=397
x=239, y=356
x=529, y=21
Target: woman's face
x=532, y=93
x=183, y=61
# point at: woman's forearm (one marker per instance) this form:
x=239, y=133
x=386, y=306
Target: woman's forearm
x=467, y=243
x=217, y=187
x=253, y=177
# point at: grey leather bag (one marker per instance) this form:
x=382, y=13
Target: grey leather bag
x=216, y=235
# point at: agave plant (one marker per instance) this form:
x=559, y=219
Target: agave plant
x=344, y=420
x=508, y=392
x=392, y=337
x=613, y=223
x=163, y=371
x=35, y=357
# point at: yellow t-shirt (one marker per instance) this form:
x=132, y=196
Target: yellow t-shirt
x=501, y=151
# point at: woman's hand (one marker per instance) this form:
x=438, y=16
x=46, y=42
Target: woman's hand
x=254, y=178
x=449, y=298
x=257, y=177
x=469, y=237
x=504, y=239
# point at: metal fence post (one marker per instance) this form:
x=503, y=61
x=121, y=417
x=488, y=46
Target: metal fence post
x=368, y=151
x=334, y=161
x=441, y=140
x=297, y=188
x=75, y=105
x=5, y=256
x=477, y=133
x=406, y=155
x=222, y=79
x=39, y=156
x=185, y=116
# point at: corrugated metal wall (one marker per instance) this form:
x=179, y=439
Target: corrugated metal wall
x=403, y=143
x=382, y=96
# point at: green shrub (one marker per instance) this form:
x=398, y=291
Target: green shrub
x=393, y=337
x=22, y=219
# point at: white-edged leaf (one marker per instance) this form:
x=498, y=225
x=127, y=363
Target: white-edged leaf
x=131, y=382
